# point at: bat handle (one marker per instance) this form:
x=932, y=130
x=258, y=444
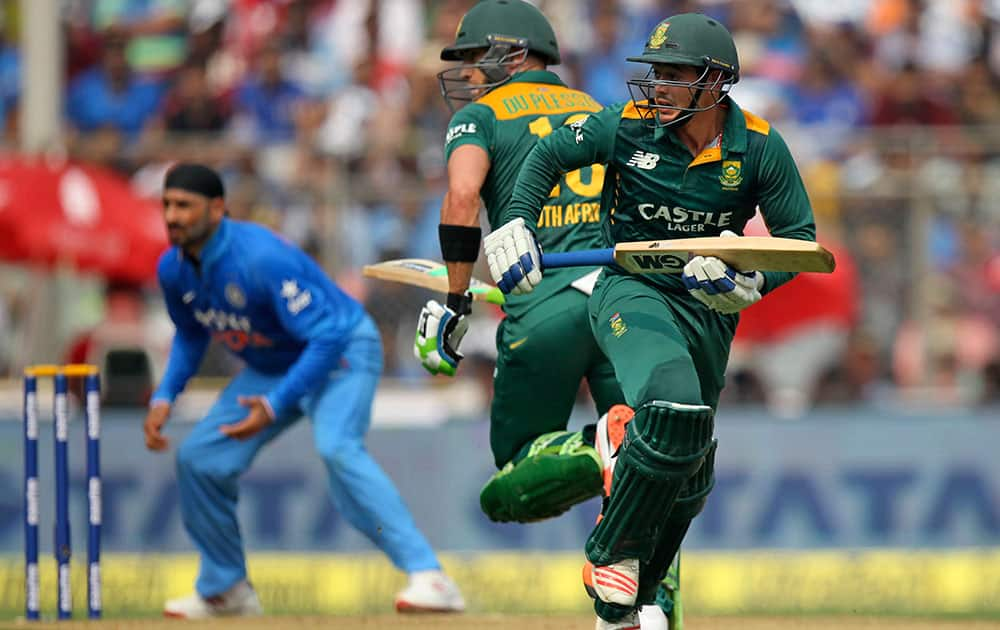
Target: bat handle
x=579, y=258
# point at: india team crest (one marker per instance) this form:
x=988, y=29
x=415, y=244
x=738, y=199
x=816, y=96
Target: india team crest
x=235, y=295
x=659, y=36
x=732, y=173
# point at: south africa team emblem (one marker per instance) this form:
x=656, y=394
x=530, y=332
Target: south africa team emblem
x=732, y=173
x=659, y=36
x=618, y=327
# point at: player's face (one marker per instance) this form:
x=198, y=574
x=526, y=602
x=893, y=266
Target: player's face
x=190, y=218
x=674, y=96
x=470, y=73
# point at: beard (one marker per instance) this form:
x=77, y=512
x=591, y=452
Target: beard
x=192, y=236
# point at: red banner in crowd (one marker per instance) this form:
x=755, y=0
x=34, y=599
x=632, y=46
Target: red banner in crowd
x=77, y=214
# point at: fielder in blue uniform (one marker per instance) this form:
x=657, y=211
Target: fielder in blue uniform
x=309, y=350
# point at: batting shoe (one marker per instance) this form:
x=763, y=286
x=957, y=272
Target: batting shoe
x=608, y=438
x=651, y=616
x=628, y=622
x=430, y=591
x=616, y=583
x=239, y=601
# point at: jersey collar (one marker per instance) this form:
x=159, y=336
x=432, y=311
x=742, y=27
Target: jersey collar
x=216, y=246
x=537, y=76
x=734, y=137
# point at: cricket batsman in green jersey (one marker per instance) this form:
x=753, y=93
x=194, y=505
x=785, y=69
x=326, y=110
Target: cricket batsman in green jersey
x=545, y=347
x=683, y=160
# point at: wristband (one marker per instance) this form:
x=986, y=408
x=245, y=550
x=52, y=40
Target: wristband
x=459, y=243
x=460, y=303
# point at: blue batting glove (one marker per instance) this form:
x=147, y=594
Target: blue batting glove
x=514, y=257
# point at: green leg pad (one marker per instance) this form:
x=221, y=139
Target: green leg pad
x=690, y=502
x=665, y=444
x=558, y=471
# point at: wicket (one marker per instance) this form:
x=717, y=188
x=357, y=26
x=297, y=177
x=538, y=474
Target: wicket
x=60, y=375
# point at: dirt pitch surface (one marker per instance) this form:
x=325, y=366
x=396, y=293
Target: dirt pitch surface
x=499, y=622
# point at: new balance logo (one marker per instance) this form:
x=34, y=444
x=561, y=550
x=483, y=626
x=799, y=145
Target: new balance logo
x=643, y=160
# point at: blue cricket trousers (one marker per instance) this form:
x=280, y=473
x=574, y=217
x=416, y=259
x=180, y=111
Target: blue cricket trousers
x=209, y=465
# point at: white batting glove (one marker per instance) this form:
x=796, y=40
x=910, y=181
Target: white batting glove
x=720, y=287
x=514, y=257
x=439, y=332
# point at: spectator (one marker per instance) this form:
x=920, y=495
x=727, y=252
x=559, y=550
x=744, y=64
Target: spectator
x=191, y=107
x=826, y=102
x=905, y=100
x=155, y=28
x=112, y=96
x=605, y=66
x=208, y=45
x=266, y=102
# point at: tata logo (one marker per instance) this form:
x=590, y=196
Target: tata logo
x=459, y=130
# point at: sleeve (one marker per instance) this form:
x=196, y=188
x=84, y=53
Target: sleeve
x=188, y=347
x=473, y=124
x=587, y=141
x=310, y=315
x=783, y=201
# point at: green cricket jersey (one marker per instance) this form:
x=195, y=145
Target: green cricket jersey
x=507, y=122
x=655, y=190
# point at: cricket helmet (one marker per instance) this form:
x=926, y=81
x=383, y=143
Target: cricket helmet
x=687, y=39
x=507, y=30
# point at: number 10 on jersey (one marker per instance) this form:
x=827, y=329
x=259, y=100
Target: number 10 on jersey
x=542, y=127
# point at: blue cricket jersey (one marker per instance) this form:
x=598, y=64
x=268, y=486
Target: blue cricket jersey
x=266, y=300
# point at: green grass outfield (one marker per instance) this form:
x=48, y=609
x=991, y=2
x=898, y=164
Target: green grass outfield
x=952, y=584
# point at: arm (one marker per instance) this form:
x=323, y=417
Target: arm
x=468, y=146
x=467, y=169
x=186, y=351
x=783, y=202
x=512, y=252
x=585, y=142
x=440, y=329
x=310, y=316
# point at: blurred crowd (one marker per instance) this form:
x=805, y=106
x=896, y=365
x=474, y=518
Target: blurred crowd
x=326, y=119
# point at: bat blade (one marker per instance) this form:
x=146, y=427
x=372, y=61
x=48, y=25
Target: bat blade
x=744, y=253
x=428, y=274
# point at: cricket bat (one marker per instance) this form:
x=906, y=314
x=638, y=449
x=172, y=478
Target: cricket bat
x=428, y=274
x=743, y=253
